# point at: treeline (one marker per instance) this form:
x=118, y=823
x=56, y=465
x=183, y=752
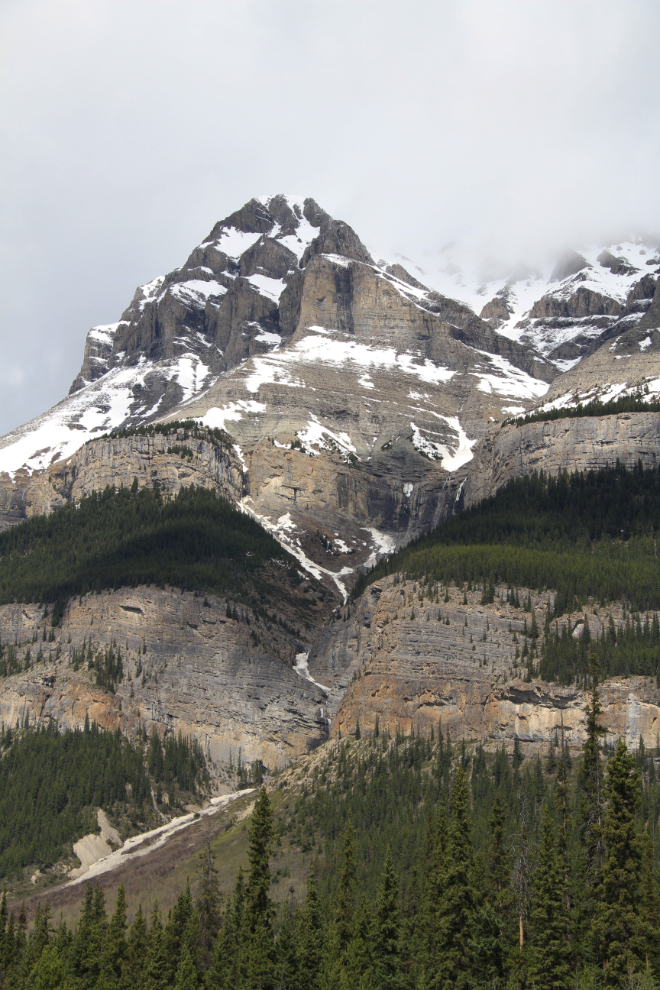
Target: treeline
x=189, y=427
x=434, y=868
x=624, y=404
x=51, y=783
x=128, y=537
x=584, y=535
x=630, y=649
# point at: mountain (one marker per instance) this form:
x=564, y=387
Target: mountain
x=356, y=393
x=349, y=405
x=282, y=330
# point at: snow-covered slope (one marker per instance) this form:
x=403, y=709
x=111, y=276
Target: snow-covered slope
x=561, y=310
x=235, y=306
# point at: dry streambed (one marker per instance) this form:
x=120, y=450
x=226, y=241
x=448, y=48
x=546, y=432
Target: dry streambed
x=97, y=857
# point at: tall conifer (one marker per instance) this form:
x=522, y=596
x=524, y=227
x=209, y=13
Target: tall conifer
x=548, y=925
x=619, y=931
x=385, y=947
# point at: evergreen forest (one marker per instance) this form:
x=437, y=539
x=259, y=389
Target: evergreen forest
x=624, y=404
x=590, y=535
x=433, y=865
x=51, y=784
x=130, y=536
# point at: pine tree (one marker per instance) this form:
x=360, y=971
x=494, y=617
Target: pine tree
x=385, y=948
x=620, y=934
x=548, y=923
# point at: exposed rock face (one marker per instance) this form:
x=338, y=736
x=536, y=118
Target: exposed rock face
x=625, y=362
x=498, y=310
x=399, y=660
x=579, y=444
x=582, y=302
x=281, y=329
x=187, y=668
x=117, y=462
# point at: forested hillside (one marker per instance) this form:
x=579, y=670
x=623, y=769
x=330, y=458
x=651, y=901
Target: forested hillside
x=433, y=865
x=51, y=785
x=197, y=540
x=584, y=535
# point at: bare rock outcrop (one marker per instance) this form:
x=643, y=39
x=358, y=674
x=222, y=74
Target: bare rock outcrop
x=572, y=444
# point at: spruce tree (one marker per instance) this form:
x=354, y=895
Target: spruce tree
x=209, y=901
x=357, y=969
x=385, y=948
x=135, y=962
x=620, y=933
x=114, y=947
x=548, y=924
x=178, y=918
x=455, y=916
x=49, y=973
x=310, y=938
x=287, y=967
x=427, y=932
x=224, y=971
x=591, y=785
x=158, y=967
x=650, y=901
x=343, y=914
x=186, y=974
x=261, y=907
x=492, y=919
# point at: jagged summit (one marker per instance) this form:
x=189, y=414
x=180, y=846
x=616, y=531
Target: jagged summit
x=355, y=391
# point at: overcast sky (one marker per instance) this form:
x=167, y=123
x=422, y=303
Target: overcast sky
x=129, y=127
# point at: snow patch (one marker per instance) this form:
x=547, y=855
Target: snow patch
x=384, y=545
x=217, y=417
x=302, y=670
x=452, y=458
x=196, y=292
x=317, y=435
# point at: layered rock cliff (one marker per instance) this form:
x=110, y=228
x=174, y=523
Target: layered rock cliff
x=417, y=663
x=188, y=668
x=572, y=444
